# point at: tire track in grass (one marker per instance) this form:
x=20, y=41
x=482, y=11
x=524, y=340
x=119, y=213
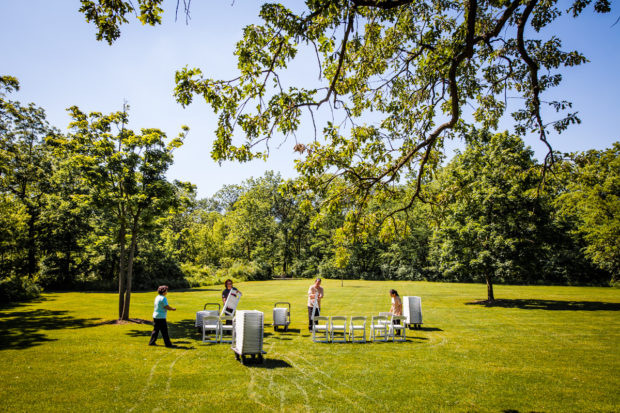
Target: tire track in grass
x=146, y=386
x=252, y=394
x=311, y=377
x=294, y=382
x=170, y=370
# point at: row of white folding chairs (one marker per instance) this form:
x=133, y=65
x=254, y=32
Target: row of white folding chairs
x=382, y=327
x=214, y=327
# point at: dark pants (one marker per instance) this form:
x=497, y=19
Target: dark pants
x=159, y=324
x=316, y=313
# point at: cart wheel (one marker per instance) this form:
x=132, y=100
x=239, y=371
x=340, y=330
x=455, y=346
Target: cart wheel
x=243, y=360
x=237, y=356
x=260, y=359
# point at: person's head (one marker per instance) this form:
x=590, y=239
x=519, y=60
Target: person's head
x=394, y=293
x=162, y=289
x=317, y=282
x=228, y=283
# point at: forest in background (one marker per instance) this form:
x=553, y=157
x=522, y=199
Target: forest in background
x=80, y=209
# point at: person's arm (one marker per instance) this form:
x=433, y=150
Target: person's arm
x=166, y=306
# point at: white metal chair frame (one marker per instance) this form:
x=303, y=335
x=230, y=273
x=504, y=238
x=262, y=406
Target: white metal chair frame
x=338, y=325
x=379, y=328
x=226, y=327
x=394, y=327
x=212, y=325
x=320, y=330
x=355, y=326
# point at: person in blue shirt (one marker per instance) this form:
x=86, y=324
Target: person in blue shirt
x=159, y=317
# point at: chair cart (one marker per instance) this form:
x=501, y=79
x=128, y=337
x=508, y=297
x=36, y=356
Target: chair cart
x=412, y=310
x=247, y=338
x=204, y=312
x=281, y=315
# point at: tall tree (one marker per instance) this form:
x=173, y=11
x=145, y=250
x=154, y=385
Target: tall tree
x=126, y=172
x=592, y=200
x=25, y=164
x=491, y=216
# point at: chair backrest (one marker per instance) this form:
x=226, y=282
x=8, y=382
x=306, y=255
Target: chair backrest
x=321, y=319
x=358, y=320
x=379, y=319
x=387, y=315
x=400, y=318
x=210, y=321
x=339, y=320
x=225, y=318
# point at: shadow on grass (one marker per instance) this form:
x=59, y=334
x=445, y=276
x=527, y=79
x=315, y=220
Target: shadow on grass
x=16, y=304
x=516, y=411
x=426, y=329
x=24, y=329
x=191, y=290
x=554, y=305
x=270, y=364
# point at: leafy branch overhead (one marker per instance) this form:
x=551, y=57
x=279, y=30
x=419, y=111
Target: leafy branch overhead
x=395, y=79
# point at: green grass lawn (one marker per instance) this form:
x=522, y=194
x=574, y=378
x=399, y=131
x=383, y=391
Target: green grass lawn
x=542, y=349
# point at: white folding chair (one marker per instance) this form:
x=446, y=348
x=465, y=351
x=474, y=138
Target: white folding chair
x=338, y=329
x=226, y=328
x=379, y=328
x=210, y=329
x=320, y=330
x=357, y=324
x=398, y=325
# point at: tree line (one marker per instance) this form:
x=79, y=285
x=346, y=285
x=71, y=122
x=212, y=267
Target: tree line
x=92, y=209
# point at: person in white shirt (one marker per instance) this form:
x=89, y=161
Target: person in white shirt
x=315, y=294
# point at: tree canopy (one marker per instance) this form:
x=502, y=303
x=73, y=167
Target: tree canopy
x=396, y=78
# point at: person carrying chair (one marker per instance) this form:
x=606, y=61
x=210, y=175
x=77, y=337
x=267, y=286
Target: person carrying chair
x=315, y=294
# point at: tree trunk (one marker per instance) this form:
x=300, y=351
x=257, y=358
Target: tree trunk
x=490, y=295
x=121, y=270
x=31, y=264
x=132, y=251
x=285, y=255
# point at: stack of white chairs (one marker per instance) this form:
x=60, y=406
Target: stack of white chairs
x=412, y=310
x=320, y=330
x=338, y=329
x=357, y=324
x=248, y=332
x=211, y=329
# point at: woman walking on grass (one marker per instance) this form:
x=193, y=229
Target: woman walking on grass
x=159, y=317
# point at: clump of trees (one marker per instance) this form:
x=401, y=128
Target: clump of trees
x=79, y=206
x=374, y=198
x=92, y=209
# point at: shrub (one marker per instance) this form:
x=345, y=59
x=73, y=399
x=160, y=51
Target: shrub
x=16, y=288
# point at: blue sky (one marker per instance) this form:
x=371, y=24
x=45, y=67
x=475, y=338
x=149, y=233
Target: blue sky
x=51, y=49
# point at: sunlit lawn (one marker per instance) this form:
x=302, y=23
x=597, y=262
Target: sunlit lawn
x=551, y=349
